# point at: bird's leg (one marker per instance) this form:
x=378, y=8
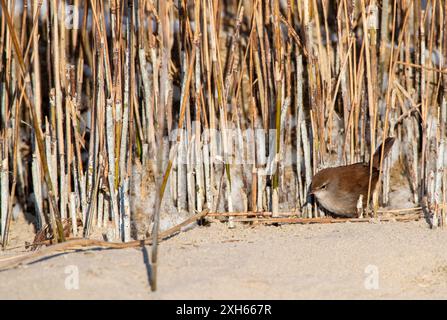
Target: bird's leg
x=360, y=206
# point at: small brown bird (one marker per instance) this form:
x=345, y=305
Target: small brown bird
x=338, y=189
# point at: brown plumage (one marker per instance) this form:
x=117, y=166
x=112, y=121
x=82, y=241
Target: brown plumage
x=338, y=189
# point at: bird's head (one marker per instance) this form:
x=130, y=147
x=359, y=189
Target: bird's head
x=321, y=184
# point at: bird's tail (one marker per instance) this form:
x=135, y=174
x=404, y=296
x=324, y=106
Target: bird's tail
x=386, y=149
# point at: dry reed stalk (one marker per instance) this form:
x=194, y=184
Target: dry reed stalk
x=24, y=75
x=73, y=214
x=4, y=187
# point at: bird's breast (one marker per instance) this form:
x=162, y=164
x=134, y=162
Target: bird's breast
x=337, y=204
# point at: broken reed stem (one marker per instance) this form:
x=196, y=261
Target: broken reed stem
x=86, y=244
x=396, y=212
x=328, y=220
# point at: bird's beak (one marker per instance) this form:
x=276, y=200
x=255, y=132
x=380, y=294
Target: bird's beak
x=310, y=194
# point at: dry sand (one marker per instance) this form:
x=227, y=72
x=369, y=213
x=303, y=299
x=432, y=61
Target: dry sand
x=261, y=262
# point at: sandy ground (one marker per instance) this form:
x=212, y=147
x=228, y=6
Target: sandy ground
x=340, y=261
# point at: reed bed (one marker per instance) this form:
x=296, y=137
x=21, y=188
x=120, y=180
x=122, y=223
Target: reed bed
x=116, y=114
